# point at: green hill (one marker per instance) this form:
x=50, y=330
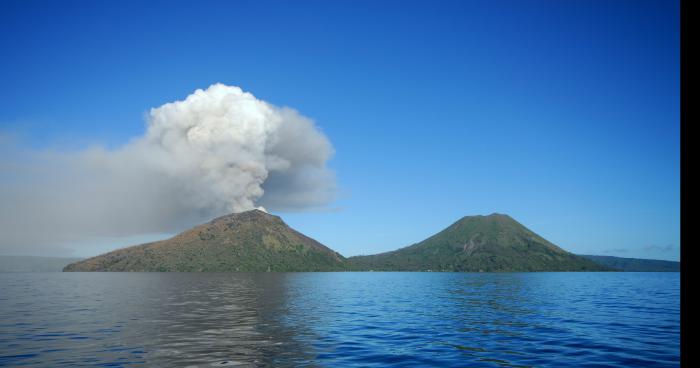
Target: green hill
x=494, y=243
x=255, y=241
x=251, y=241
x=635, y=264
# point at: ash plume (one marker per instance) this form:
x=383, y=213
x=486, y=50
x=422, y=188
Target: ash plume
x=220, y=150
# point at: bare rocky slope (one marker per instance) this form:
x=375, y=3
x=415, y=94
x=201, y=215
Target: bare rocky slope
x=252, y=241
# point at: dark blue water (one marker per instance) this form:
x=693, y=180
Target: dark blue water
x=340, y=319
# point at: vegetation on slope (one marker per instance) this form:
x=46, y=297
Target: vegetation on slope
x=494, y=243
x=255, y=241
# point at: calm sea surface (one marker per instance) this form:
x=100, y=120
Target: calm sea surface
x=340, y=319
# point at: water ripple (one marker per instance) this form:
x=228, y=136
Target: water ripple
x=340, y=319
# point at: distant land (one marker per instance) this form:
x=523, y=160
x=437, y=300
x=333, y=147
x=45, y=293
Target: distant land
x=255, y=241
x=635, y=264
x=34, y=264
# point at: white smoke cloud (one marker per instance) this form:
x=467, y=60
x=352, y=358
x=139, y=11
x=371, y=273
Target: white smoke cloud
x=220, y=150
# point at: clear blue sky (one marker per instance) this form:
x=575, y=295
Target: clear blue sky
x=563, y=114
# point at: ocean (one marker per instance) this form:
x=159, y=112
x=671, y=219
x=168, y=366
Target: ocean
x=368, y=319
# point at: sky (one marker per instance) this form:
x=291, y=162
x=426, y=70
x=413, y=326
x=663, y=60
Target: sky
x=563, y=114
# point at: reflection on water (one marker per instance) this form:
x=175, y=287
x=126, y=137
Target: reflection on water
x=159, y=319
x=340, y=319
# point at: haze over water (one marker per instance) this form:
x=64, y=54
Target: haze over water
x=340, y=319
